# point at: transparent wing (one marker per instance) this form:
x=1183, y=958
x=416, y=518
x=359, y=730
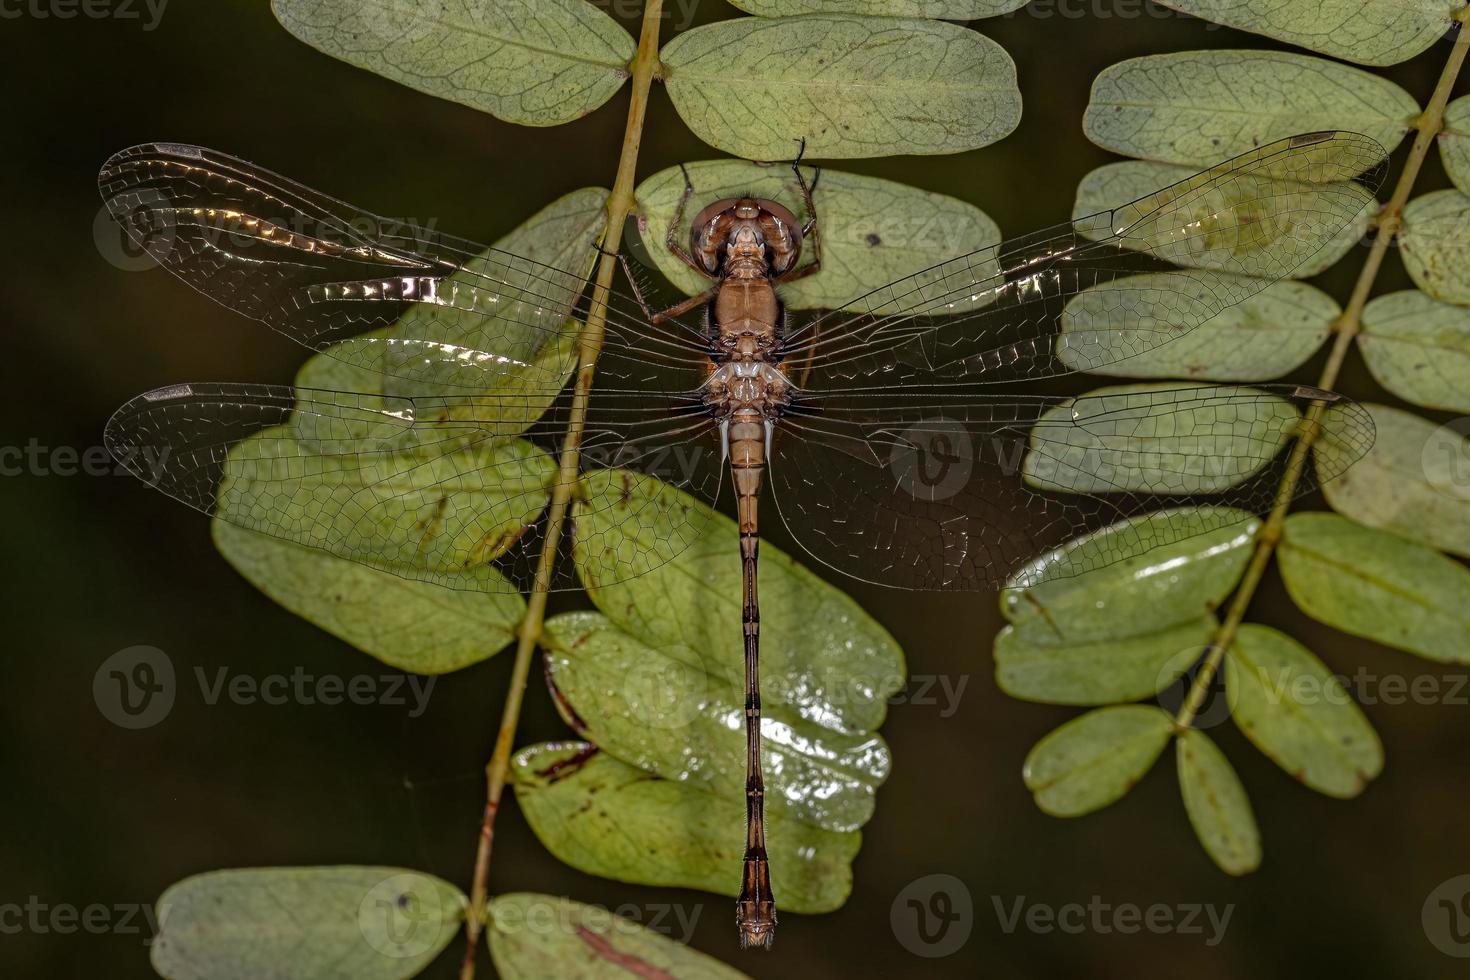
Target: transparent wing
x=927, y=490
x=420, y=487
x=427, y=311
x=996, y=315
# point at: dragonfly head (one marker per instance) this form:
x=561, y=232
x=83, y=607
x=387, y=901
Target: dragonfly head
x=745, y=231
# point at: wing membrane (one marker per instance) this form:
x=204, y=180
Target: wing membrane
x=421, y=487
x=959, y=493
x=995, y=315
x=426, y=310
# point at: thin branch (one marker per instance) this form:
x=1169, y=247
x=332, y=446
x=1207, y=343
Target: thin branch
x=619, y=203
x=1429, y=125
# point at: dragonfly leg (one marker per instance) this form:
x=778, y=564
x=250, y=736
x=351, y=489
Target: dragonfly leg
x=671, y=238
x=809, y=231
x=678, y=309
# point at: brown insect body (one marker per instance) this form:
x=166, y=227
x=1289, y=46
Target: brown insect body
x=746, y=244
x=746, y=247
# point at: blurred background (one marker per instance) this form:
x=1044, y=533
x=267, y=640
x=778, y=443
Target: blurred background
x=95, y=814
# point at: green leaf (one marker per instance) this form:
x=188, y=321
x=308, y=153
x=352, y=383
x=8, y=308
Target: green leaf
x=537, y=936
x=608, y=818
x=1224, y=216
x=1122, y=597
x=1377, y=585
x=1201, y=107
x=932, y=9
x=1288, y=703
x=1433, y=245
x=1454, y=142
x=1099, y=672
x=1266, y=336
x=353, y=923
x=872, y=231
x=1218, y=807
x=821, y=654
x=533, y=62
x=537, y=353
x=1377, y=32
x=1155, y=438
x=1419, y=349
x=273, y=480
x=1094, y=759
x=1411, y=482
x=850, y=86
x=668, y=716
x=414, y=626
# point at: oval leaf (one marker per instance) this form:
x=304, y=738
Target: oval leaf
x=1201, y=107
x=1379, y=32
x=1155, y=438
x=932, y=9
x=504, y=483
x=414, y=626
x=1434, y=243
x=537, y=936
x=608, y=818
x=1103, y=672
x=1218, y=807
x=821, y=654
x=670, y=717
x=1287, y=702
x=850, y=86
x=872, y=230
x=1170, y=585
x=1412, y=482
x=1419, y=349
x=1266, y=336
x=353, y=923
x=535, y=63
x=1093, y=760
x=1377, y=585
x=1116, y=184
x=1454, y=142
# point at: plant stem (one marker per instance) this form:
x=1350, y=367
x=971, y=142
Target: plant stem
x=619, y=203
x=1429, y=125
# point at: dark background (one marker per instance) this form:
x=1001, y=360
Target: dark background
x=96, y=814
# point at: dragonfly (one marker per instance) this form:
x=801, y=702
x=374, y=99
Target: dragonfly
x=426, y=442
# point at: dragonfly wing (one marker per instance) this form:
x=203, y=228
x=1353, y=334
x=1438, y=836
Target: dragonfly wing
x=961, y=493
x=423, y=488
x=426, y=310
x=1002, y=313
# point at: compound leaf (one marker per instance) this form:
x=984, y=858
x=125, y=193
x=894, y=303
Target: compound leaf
x=608, y=818
x=1377, y=585
x=850, y=86
x=1094, y=759
x=1218, y=807
x=533, y=62
x=332, y=923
